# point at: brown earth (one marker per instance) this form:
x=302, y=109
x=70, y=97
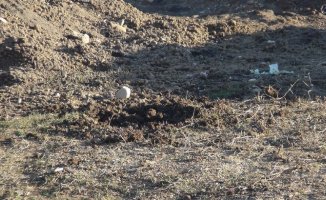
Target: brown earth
x=199, y=124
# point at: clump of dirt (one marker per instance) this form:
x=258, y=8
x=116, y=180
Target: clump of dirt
x=141, y=115
x=135, y=119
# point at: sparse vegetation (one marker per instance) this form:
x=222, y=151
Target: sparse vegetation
x=198, y=123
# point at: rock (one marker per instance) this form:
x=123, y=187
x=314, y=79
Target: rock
x=123, y=93
x=151, y=113
x=233, y=22
x=58, y=169
x=57, y=95
x=3, y=20
x=118, y=27
x=85, y=39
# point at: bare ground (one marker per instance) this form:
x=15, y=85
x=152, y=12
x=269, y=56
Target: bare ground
x=199, y=123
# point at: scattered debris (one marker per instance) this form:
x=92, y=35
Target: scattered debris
x=273, y=70
x=123, y=93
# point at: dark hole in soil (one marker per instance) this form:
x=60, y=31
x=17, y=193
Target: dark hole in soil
x=149, y=115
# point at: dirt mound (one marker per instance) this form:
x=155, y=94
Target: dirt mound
x=131, y=120
x=149, y=115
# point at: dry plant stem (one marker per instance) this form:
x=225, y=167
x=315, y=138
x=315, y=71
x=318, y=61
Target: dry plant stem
x=289, y=90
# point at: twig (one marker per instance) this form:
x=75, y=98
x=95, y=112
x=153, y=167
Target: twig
x=289, y=90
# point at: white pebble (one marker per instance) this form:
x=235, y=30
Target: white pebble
x=58, y=169
x=3, y=20
x=123, y=93
x=85, y=38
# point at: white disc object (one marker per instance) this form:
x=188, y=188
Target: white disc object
x=123, y=93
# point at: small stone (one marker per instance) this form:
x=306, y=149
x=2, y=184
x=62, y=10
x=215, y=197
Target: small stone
x=58, y=95
x=118, y=27
x=123, y=93
x=122, y=22
x=85, y=38
x=151, y=113
x=58, y=169
x=3, y=20
x=233, y=22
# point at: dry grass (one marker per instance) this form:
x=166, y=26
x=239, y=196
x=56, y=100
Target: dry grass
x=273, y=150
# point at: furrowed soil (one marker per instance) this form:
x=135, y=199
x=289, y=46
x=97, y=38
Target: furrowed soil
x=200, y=123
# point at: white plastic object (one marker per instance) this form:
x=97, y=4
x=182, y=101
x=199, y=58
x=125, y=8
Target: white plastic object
x=273, y=69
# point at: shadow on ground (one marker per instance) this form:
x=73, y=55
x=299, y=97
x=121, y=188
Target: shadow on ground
x=223, y=67
x=10, y=56
x=218, y=7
